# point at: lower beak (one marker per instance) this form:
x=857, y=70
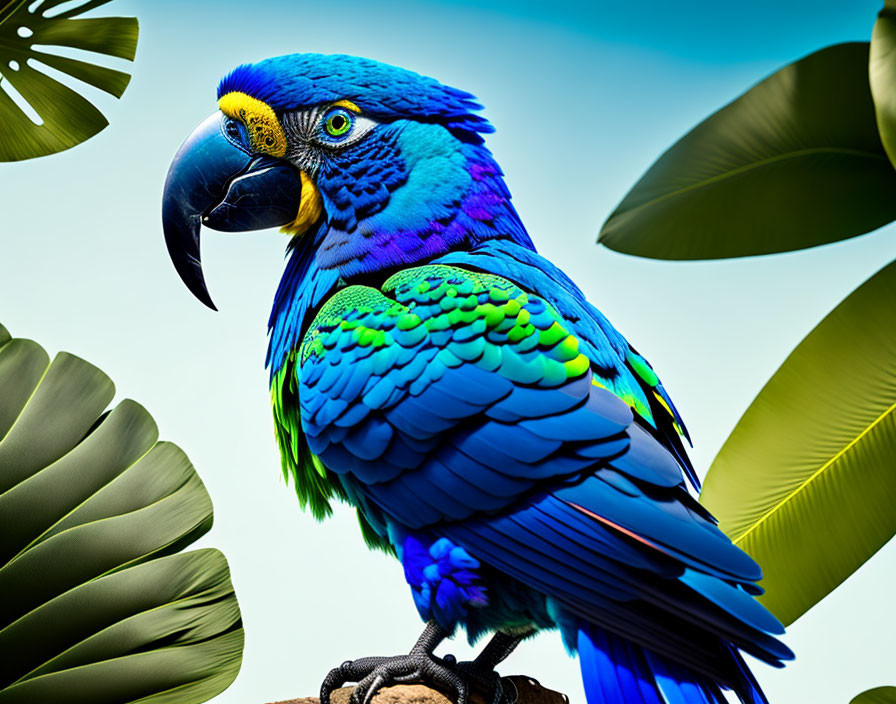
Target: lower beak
x=216, y=182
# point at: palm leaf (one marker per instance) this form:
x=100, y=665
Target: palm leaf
x=794, y=162
x=878, y=695
x=98, y=604
x=806, y=481
x=67, y=117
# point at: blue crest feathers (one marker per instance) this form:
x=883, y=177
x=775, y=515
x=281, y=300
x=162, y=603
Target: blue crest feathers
x=387, y=92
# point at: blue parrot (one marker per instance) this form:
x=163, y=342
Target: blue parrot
x=495, y=433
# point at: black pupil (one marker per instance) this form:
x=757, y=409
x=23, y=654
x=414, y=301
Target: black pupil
x=337, y=122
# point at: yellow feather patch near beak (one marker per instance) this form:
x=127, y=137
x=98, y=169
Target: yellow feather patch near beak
x=310, y=208
x=265, y=133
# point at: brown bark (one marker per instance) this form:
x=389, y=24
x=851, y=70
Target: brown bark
x=524, y=690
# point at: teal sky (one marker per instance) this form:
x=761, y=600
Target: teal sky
x=584, y=97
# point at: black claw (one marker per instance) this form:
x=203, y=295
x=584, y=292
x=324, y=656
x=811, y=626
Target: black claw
x=372, y=674
x=378, y=683
x=497, y=690
x=333, y=680
x=420, y=665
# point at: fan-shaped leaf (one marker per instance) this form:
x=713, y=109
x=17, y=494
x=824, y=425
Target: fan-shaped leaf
x=67, y=117
x=878, y=695
x=806, y=483
x=97, y=607
x=882, y=72
x=795, y=162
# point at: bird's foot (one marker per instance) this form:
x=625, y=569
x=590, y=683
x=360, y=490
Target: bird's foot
x=496, y=689
x=372, y=674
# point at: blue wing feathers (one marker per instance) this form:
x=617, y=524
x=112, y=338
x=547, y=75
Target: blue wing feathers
x=647, y=460
x=608, y=449
x=352, y=416
x=382, y=393
x=601, y=416
x=663, y=523
x=526, y=402
x=543, y=476
x=417, y=419
x=545, y=554
x=488, y=443
x=368, y=441
x=402, y=455
x=482, y=478
x=733, y=600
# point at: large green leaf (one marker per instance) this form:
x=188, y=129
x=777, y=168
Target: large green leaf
x=882, y=72
x=68, y=118
x=806, y=483
x=795, y=162
x=878, y=695
x=98, y=605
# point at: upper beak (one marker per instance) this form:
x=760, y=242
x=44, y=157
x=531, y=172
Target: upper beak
x=214, y=181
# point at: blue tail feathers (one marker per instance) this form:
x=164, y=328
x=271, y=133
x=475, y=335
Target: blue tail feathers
x=615, y=671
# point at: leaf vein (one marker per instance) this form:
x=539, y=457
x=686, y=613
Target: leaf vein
x=814, y=475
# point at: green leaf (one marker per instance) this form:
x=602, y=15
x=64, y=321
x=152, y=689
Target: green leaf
x=8, y=8
x=795, y=162
x=98, y=604
x=878, y=695
x=68, y=118
x=806, y=481
x=882, y=73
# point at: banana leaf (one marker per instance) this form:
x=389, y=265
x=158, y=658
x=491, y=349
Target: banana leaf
x=99, y=604
x=806, y=482
x=64, y=118
x=794, y=162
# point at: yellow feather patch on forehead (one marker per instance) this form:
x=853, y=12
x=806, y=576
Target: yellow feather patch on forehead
x=348, y=105
x=265, y=133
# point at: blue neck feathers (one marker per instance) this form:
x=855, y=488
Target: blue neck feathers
x=447, y=196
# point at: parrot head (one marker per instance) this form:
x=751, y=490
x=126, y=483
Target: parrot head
x=379, y=166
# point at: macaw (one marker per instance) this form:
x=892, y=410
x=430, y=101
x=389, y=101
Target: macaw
x=494, y=431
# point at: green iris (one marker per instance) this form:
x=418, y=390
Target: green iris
x=338, y=123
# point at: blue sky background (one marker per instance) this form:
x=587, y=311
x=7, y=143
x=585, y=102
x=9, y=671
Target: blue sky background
x=585, y=97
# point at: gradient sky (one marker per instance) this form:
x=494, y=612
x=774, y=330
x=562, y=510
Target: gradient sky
x=584, y=97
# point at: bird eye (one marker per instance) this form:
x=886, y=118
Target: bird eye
x=336, y=127
x=233, y=130
x=338, y=122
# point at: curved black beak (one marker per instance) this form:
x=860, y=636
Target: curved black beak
x=215, y=181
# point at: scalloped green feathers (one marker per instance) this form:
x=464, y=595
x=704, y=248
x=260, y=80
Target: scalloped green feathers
x=480, y=313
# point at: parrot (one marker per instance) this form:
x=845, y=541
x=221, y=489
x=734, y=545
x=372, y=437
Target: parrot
x=494, y=432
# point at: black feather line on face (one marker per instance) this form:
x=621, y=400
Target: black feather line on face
x=299, y=126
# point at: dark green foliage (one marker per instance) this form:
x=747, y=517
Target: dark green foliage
x=68, y=118
x=795, y=162
x=882, y=73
